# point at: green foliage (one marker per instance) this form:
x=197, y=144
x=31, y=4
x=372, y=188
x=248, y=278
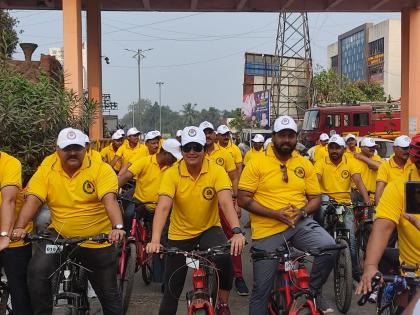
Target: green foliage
x=333, y=88
x=32, y=114
x=8, y=35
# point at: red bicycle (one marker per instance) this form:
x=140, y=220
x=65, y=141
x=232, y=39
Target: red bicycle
x=203, y=296
x=291, y=294
x=133, y=256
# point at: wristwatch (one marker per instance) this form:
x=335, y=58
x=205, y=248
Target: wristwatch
x=4, y=234
x=118, y=227
x=237, y=230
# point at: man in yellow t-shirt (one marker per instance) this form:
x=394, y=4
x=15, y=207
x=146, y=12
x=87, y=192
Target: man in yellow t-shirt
x=108, y=153
x=335, y=174
x=390, y=214
x=130, y=148
x=81, y=195
x=193, y=188
x=14, y=255
x=393, y=168
x=280, y=190
x=257, y=149
x=225, y=141
x=351, y=144
x=320, y=150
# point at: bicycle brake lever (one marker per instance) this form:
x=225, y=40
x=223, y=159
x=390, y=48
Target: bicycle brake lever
x=375, y=281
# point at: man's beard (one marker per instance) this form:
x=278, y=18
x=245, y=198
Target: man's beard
x=283, y=151
x=335, y=157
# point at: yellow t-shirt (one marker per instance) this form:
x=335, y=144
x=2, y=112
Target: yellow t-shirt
x=222, y=157
x=195, y=204
x=349, y=154
x=234, y=151
x=49, y=160
x=263, y=177
x=336, y=179
x=252, y=153
x=75, y=203
x=94, y=155
x=125, y=152
x=320, y=152
x=368, y=175
x=148, y=175
x=141, y=153
x=11, y=175
x=109, y=153
x=392, y=207
x=390, y=171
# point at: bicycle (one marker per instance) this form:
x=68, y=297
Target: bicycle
x=133, y=254
x=392, y=287
x=343, y=278
x=5, y=301
x=69, y=281
x=291, y=283
x=363, y=219
x=202, y=298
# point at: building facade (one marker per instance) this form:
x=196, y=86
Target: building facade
x=370, y=52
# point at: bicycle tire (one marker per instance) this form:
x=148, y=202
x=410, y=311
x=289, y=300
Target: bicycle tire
x=146, y=271
x=5, y=307
x=280, y=304
x=343, y=280
x=200, y=311
x=126, y=280
x=305, y=310
x=383, y=307
x=212, y=285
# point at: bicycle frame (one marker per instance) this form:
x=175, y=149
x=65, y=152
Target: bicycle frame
x=199, y=297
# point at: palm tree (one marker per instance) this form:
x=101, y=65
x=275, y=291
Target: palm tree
x=190, y=114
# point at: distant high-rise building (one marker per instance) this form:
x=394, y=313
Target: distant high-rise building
x=372, y=53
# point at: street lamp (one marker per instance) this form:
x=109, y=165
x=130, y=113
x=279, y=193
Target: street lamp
x=160, y=105
x=138, y=55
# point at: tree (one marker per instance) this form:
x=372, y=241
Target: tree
x=190, y=114
x=8, y=35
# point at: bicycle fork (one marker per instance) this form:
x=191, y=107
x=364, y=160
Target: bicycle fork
x=199, y=297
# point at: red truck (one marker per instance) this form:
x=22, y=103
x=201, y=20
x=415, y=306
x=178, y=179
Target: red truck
x=374, y=120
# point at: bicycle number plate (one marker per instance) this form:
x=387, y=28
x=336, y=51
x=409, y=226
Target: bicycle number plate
x=51, y=249
x=192, y=263
x=339, y=210
x=342, y=233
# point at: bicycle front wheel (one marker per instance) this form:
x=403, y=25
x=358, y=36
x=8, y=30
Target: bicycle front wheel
x=343, y=286
x=126, y=278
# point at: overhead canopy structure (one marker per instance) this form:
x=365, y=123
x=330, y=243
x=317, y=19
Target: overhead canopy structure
x=227, y=5
x=72, y=35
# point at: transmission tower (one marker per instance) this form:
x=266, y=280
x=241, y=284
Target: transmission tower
x=291, y=83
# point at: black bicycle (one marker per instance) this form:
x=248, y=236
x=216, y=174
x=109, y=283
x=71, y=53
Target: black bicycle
x=70, y=280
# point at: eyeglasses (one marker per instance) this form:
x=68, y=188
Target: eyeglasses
x=196, y=147
x=283, y=169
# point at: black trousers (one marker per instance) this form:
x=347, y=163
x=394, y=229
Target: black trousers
x=103, y=278
x=15, y=263
x=176, y=270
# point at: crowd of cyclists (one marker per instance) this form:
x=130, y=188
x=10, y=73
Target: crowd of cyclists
x=200, y=182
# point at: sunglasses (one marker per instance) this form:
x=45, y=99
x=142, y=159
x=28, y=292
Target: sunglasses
x=196, y=147
x=283, y=169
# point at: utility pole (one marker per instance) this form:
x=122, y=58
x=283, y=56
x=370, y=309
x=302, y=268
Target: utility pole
x=160, y=105
x=138, y=55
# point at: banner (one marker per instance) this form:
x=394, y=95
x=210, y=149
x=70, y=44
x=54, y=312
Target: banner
x=256, y=109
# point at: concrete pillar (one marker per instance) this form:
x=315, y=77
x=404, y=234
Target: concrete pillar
x=94, y=64
x=410, y=71
x=72, y=35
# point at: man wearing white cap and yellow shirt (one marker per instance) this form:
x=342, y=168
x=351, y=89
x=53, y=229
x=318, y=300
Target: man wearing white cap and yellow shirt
x=225, y=141
x=395, y=167
x=257, y=148
x=281, y=190
x=81, y=195
x=351, y=144
x=321, y=150
x=127, y=150
x=108, y=153
x=193, y=188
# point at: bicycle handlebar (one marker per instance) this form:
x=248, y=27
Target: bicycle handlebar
x=212, y=251
x=100, y=238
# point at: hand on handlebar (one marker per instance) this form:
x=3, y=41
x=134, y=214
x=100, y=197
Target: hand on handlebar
x=116, y=236
x=365, y=284
x=18, y=234
x=153, y=247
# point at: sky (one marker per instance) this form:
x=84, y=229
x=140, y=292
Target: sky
x=198, y=56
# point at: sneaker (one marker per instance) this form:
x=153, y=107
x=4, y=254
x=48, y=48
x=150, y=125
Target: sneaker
x=323, y=305
x=241, y=287
x=373, y=297
x=222, y=309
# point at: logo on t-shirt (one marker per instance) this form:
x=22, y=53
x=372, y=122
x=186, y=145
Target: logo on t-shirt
x=300, y=172
x=345, y=174
x=220, y=161
x=208, y=193
x=88, y=187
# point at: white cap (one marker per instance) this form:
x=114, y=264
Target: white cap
x=402, y=141
x=349, y=136
x=193, y=134
x=133, y=131
x=267, y=142
x=87, y=140
x=258, y=138
x=178, y=133
x=69, y=136
x=222, y=129
x=368, y=142
x=173, y=147
x=121, y=132
x=323, y=137
x=151, y=135
x=205, y=125
x=284, y=122
x=116, y=135
x=338, y=140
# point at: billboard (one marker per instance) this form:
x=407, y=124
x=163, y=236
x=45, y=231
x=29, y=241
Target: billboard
x=256, y=109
